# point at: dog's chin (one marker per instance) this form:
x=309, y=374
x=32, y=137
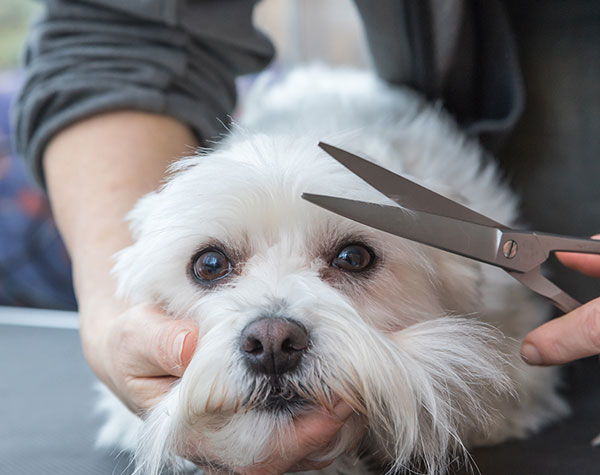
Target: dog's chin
x=224, y=440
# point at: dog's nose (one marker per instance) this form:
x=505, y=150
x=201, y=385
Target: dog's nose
x=273, y=346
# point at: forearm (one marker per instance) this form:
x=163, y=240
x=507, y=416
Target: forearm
x=95, y=171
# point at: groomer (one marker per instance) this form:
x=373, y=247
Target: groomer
x=115, y=90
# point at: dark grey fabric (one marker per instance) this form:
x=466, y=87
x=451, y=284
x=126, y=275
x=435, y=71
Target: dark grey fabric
x=400, y=30
x=181, y=57
x=481, y=85
x=552, y=160
x=560, y=449
x=173, y=57
x=553, y=157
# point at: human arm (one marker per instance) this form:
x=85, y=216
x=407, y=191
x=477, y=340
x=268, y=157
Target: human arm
x=95, y=171
x=170, y=69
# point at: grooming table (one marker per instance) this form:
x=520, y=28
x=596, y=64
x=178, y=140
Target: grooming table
x=48, y=424
x=47, y=419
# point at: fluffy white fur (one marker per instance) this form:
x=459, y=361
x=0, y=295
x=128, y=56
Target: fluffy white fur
x=423, y=346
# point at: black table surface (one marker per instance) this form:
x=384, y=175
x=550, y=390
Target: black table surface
x=48, y=422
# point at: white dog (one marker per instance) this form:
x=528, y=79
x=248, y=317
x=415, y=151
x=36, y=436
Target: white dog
x=298, y=307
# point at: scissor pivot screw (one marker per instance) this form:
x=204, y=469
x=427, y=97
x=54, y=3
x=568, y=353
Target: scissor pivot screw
x=510, y=249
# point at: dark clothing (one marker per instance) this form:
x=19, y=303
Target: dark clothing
x=174, y=57
x=181, y=58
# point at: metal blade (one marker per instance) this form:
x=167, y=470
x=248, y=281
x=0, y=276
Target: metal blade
x=481, y=243
x=475, y=241
x=539, y=284
x=405, y=192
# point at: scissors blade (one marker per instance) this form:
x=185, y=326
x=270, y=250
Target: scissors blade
x=539, y=284
x=478, y=242
x=482, y=243
x=404, y=191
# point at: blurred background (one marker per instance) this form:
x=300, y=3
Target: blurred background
x=15, y=16
x=34, y=266
x=313, y=30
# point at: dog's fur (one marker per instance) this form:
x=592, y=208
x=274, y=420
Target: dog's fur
x=423, y=345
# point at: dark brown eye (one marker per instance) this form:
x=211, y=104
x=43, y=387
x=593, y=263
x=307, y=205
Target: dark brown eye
x=210, y=265
x=353, y=258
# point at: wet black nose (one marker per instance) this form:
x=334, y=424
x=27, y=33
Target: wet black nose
x=273, y=346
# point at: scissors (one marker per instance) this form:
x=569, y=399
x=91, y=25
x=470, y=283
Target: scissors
x=442, y=223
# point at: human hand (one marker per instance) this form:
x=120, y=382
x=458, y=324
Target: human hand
x=139, y=353
x=574, y=335
x=312, y=434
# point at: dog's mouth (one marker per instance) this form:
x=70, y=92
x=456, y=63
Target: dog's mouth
x=277, y=397
x=293, y=403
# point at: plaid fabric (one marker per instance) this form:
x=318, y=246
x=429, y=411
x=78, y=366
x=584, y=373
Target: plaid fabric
x=35, y=269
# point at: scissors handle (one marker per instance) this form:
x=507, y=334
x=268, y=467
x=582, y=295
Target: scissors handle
x=522, y=251
x=538, y=283
x=557, y=243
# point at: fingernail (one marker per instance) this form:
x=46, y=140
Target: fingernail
x=179, y=342
x=530, y=354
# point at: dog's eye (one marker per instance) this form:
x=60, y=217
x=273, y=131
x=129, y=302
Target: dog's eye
x=353, y=258
x=210, y=265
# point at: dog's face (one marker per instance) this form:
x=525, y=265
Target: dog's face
x=299, y=308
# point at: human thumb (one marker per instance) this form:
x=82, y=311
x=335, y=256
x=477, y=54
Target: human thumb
x=175, y=343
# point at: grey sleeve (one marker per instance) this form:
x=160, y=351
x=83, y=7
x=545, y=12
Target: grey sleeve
x=173, y=57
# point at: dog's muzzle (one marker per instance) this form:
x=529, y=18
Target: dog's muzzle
x=273, y=345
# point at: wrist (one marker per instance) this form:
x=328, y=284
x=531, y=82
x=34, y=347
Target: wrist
x=97, y=314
